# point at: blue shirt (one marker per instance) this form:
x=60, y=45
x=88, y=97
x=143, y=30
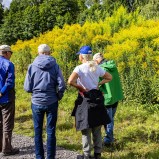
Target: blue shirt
x=7, y=79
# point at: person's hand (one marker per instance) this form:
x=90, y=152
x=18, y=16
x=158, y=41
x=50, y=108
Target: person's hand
x=0, y=94
x=82, y=89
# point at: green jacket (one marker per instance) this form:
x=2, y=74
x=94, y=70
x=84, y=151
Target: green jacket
x=112, y=90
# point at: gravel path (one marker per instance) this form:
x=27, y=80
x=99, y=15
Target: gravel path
x=26, y=146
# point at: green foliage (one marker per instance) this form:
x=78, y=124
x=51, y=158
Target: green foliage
x=27, y=19
x=21, y=60
x=124, y=37
x=151, y=9
x=1, y=14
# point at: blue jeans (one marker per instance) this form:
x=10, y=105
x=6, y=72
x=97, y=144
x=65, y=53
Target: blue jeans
x=109, y=128
x=38, y=118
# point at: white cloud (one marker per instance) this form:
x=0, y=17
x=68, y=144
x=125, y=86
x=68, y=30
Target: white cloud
x=6, y=3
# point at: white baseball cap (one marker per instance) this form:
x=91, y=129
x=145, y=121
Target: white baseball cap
x=5, y=48
x=43, y=48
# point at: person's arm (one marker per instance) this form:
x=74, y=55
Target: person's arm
x=10, y=80
x=61, y=84
x=28, y=85
x=73, y=82
x=106, y=78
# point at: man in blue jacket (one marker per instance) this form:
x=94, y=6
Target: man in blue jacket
x=45, y=81
x=7, y=101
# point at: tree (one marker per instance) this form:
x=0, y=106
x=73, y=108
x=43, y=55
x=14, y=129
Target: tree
x=27, y=19
x=1, y=13
x=90, y=3
x=151, y=9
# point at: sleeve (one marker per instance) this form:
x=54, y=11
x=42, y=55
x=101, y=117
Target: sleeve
x=28, y=85
x=10, y=80
x=77, y=70
x=101, y=71
x=61, y=84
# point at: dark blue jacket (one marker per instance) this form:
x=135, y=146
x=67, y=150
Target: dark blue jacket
x=44, y=80
x=7, y=80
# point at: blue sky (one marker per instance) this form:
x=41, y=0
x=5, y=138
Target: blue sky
x=6, y=3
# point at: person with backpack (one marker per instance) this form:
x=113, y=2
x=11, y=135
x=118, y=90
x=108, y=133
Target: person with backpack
x=112, y=92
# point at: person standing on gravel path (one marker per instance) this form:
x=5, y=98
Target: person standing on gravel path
x=45, y=81
x=89, y=108
x=7, y=102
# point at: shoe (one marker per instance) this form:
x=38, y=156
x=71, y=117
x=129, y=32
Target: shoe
x=107, y=142
x=97, y=155
x=84, y=157
x=12, y=152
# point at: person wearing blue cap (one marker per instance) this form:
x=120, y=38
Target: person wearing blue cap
x=89, y=110
x=85, y=50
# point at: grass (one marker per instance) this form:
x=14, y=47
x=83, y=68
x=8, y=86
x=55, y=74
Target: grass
x=136, y=127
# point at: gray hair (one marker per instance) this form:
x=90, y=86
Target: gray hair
x=43, y=48
x=98, y=56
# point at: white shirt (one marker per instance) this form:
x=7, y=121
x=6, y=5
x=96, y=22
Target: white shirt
x=87, y=79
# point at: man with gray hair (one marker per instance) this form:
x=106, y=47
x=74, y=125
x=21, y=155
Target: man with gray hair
x=7, y=101
x=112, y=92
x=45, y=81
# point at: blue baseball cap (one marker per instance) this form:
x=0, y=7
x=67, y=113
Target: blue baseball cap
x=85, y=50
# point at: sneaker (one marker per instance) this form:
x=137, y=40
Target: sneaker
x=12, y=152
x=84, y=157
x=107, y=142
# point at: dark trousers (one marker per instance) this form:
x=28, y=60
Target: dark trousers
x=7, y=113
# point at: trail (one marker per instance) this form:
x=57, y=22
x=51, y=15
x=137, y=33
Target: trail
x=26, y=146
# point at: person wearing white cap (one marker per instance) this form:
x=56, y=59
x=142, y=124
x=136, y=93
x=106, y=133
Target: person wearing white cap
x=7, y=101
x=89, y=110
x=45, y=81
x=112, y=92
